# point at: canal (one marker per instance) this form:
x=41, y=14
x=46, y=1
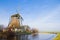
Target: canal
x=37, y=37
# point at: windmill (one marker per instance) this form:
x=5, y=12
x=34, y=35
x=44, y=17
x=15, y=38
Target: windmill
x=16, y=21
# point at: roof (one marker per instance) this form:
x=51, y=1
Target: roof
x=16, y=15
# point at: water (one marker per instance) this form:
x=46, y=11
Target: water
x=42, y=37
x=38, y=37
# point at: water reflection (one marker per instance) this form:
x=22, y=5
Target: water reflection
x=37, y=37
x=33, y=37
x=42, y=37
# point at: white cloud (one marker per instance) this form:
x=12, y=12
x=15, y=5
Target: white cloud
x=46, y=23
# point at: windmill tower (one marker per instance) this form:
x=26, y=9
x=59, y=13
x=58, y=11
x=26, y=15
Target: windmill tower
x=16, y=21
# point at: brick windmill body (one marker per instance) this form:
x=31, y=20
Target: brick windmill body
x=15, y=21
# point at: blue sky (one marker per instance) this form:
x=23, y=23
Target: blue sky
x=41, y=14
